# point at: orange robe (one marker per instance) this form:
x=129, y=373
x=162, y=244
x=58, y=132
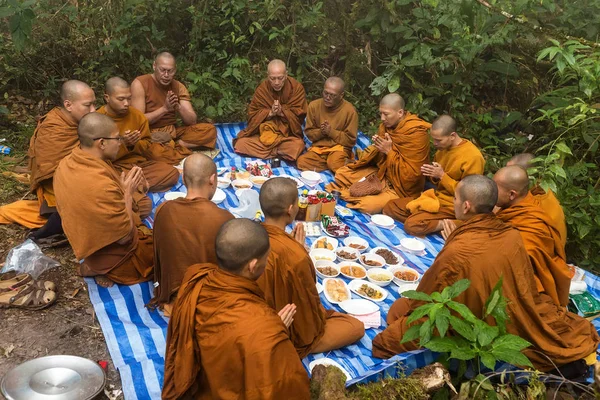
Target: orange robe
x=278, y=136
x=290, y=279
x=91, y=203
x=543, y=243
x=457, y=162
x=180, y=241
x=160, y=176
x=224, y=342
x=399, y=170
x=550, y=204
x=483, y=249
x=332, y=151
x=200, y=135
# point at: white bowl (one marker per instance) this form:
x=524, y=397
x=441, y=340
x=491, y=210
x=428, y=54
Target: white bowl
x=407, y=286
x=328, y=297
x=311, y=178
x=241, y=184
x=223, y=182
x=398, y=257
x=382, y=220
x=371, y=257
x=412, y=245
x=356, y=284
x=328, y=362
x=399, y=281
x=359, y=306
x=349, y=250
x=174, y=195
x=218, y=197
x=332, y=241
x=324, y=263
x=353, y=265
x=299, y=182
x=258, y=181
x=379, y=271
x=322, y=254
x=356, y=241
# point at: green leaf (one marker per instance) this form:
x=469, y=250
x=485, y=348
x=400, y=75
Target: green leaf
x=442, y=321
x=487, y=333
x=494, y=298
x=411, y=334
x=510, y=342
x=462, y=310
x=488, y=360
x=441, y=345
x=458, y=287
x=463, y=354
x=436, y=296
x=563, y=148
x=6, y=12
x=425, y=332
x=394, y=84
x=511, y=356
x=558, y=170
x=414, y=295
x=420, y=312
x=462, y=328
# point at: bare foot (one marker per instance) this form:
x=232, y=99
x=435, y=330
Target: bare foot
x=103, y=281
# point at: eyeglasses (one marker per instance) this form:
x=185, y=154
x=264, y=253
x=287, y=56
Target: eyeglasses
x=330, y=95
x=167, y=72
x=118, y=138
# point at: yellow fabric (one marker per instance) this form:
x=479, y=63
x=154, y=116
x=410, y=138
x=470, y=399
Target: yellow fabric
x=426, y=202
x=269, y=133
x=591, y=359
x=46, y=190
x=326, y=150
x=22, y=212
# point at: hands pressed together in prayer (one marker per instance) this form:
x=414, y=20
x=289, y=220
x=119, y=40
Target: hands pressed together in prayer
x=172, y=101
x=433, y=170
x=448, y=227
x=276, y=109
x=383, y=144
x=299, y=233
x=325, y=128
x=130, y=138
x=133, y=180
x=287, y=314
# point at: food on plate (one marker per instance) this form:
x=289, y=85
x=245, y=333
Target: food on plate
x=370, y=292
x=381, y=277
x=346, y=255
x=259, y=179
x=327, y=271
x=312, y=228
x=354, y=272
x=325, y=258
x=336, y=289
x=388, y=256
x=242, y=186
x=369, y=262
x=357, y=246
x=334, y=226
x=323, y=244
x=406, y=275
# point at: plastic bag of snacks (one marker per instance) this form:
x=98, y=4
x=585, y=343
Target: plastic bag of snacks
x=333, y=226
x=259, y=169
x=319, y=203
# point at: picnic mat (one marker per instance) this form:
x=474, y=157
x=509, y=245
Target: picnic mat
x=136, y=337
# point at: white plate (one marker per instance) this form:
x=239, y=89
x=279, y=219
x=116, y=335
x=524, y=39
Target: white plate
x=399, y=281
x=174, y=195
x=373, y=257
x=359, y=306
x=316, y=255
x=324, y=263
x=407, y=286
x=332, y=241
x=332, y=301
x=347, y=250
x=398, y=256
x=218, y=197
x=299, y=183
x=354, y=265
x=356, y=240
x=241, y=182
x=413, y=245
x=258, y=181
x=328, y=362
x=374, y=271
x=382, y=220
x=357, y=283
x=223, y=182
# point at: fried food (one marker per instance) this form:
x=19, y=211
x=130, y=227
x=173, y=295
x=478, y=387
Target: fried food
x=354, y=272
x=336, y=289
x=242, y=186
x=346, y=255
x=388, y=256
x=370, y=263
x=371, y=293
x=357, y=246
x=323, y=244
x=327, y=271
x=406, y=275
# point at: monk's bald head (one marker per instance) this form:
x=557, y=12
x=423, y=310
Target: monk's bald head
x=391, y=110
x=114, y=84
x=393, y=101
x=241, y=242
x=164, y=68
x=94, y=126
x=73, y=90
x=444, y=124
x=513, y=185
x=276, y=74
x=197, y=170
x=276, y=197
x=78, y=99
x=276, y=66
x=475, y=194
x=333, y=91
x=522, y=160
x=164, y=56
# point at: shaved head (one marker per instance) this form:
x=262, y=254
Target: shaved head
x=336, y=82
x=276, y=74
x=513, y=185
x=393, y=101
x=480, y=191
x=164, y=67
x=277, y=195
x=72, y=90
x=113, y=83
x=444, y=125
x=523, y=160
x=93, y=126
x=197, y=170
x=164, y=55
x=240, y=241
x=333, y=92
x=276, y=66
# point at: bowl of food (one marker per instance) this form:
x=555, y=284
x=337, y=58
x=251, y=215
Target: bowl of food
x=357, y=243
x=352, y=270
x=322, y=255
x=218, y=197
x=258, y=181
x=383, y=221
x=371, y=260
x=223, y=182
x=368, y=290
x=379, y=276
x=326, y=269
x=347, y=254
x=174, y=195
x=412, y=245
x=391, y=258
x=311, y=178
x=403, y=275
x=336, y=290
x=241, y=184
x=325, y=242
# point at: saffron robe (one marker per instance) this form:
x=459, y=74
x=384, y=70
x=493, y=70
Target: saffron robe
x=549, y=203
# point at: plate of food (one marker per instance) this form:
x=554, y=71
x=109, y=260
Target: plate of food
x=391, y=258
x=241, y=184
x=174, y=195
x=357, y=243
x=413, y=245
x=223, y=182
x=333, y=226
x=403, y=275
x=328, y=362
x=336, y=290
x=299, y=183
x=326, y=269
x=258, y=181
x=359, y=306
x=379, y=276
x=352, y=270
x=311, y=228
x=383, y=221
x=322, y=255
x=371, y=260
x=325, y=242
x=368, y=290
x=347, y=254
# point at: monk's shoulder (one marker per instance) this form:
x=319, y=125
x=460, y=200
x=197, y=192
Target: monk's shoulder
x=295, y=83
x=348, y=107
x=55, y=119
x=136, y=116
x=315, y=105
x=181, y=90
x=472, y=150
x=101, y=110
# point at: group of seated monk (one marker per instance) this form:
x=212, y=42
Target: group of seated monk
x=242, y=295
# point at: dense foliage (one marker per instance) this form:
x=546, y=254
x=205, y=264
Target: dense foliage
x=519, y=75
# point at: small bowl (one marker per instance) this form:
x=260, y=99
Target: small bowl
x=223, y=182
x=398, y=257
x=258, y=181
x=353, y=265
x=404, y=269
x=174, y=195
x=311, y=178
x=371, y=257
x=379, y=271
x=412, y=245
x=322, y=254
x=241, y=184
x=332, y=241
x=383, y=221
x=349, y=250
x=355, y=240
x=323, y=263
x=218, y=197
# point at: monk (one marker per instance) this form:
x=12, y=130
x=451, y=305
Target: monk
x=484, y=249
x=290, y=277
x=454, y=159
x=164, y=148
x=539, y=233
x=275, y=117
x=96, y=206
x=185, y=229
x=391, y=167
x=331, y=126
x=162, y=98
x=546, y=199
x=224, y=341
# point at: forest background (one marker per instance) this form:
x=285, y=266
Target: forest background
x=518, y=75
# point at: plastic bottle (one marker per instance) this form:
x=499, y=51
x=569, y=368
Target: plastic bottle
x=303, y=205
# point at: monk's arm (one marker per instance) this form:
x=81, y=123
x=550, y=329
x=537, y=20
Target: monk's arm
x=138, y=100
x=187, y=113
x=141, y=147
x=129, y=209
x=313, y=126
x=347, y=136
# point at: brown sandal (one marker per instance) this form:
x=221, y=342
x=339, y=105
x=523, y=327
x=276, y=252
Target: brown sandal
x=28, y=297
x=10, y=281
